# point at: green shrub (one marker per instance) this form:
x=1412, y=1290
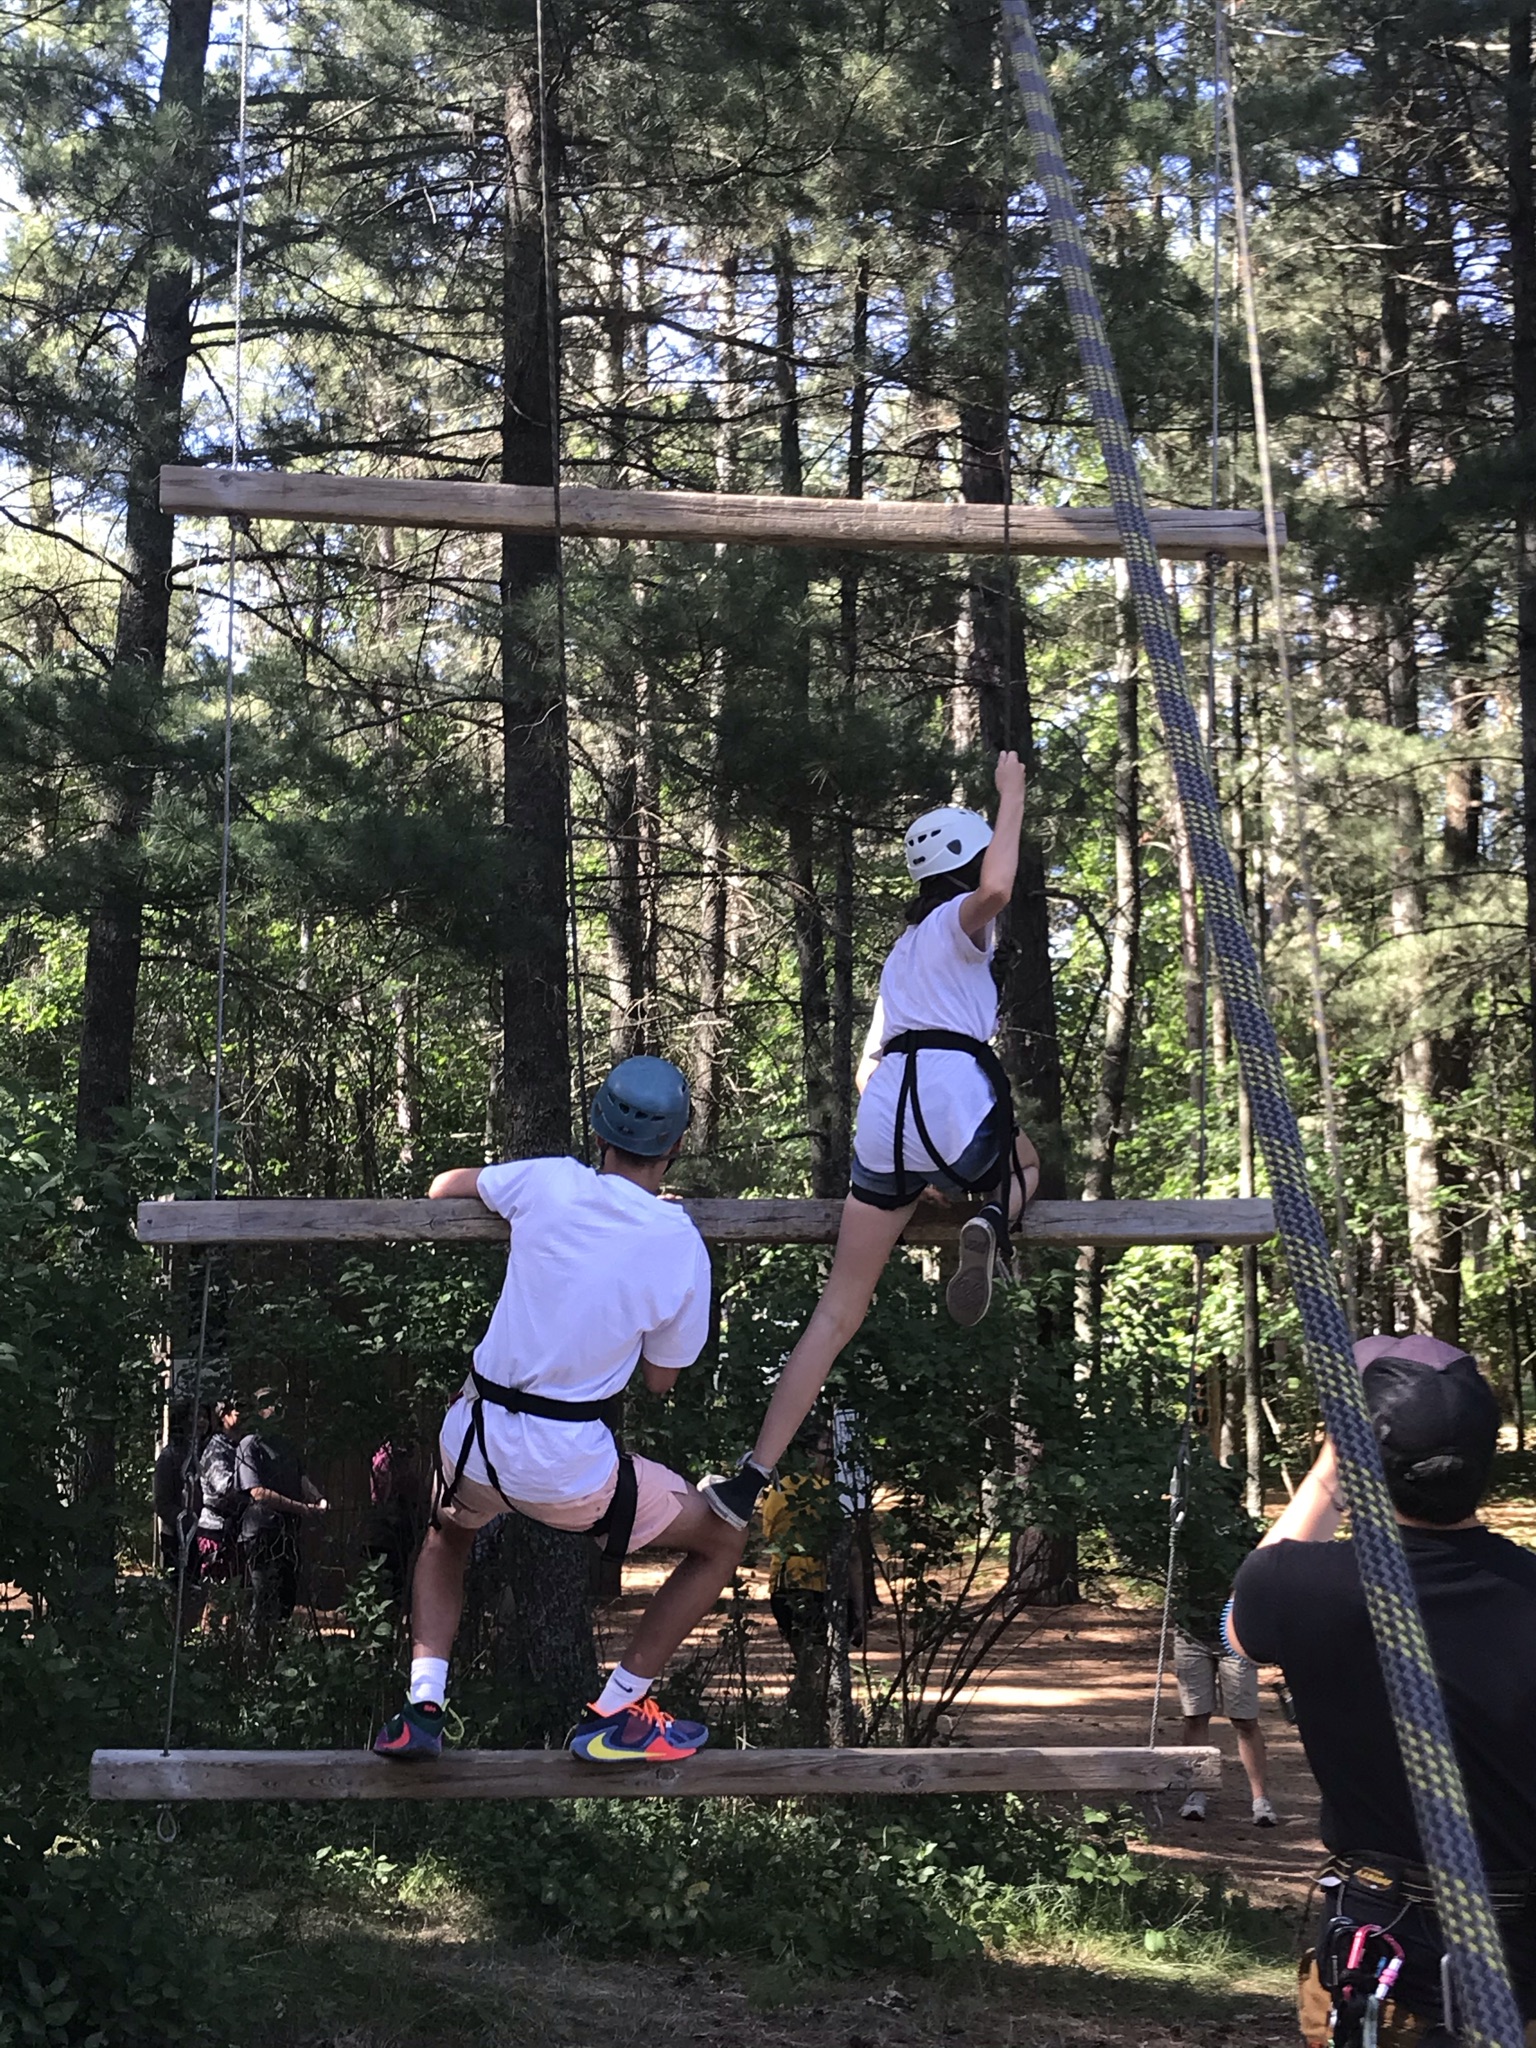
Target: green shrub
x=95, y=1953
x=830, y=1884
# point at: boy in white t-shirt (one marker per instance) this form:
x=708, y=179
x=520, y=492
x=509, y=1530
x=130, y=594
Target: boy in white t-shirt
x=601, y=1277
x=934, y=1111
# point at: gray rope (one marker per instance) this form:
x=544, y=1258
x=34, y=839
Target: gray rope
x=1485, y=2002
x=187, y=1534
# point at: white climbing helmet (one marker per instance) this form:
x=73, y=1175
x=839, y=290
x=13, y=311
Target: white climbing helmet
x=941, y=841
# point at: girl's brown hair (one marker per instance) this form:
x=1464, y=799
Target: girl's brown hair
x=933, y=890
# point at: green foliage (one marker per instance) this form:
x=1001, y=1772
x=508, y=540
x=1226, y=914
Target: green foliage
x=830, y=1885
x=97, y=1951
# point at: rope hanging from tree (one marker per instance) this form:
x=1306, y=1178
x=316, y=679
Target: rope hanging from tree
x=1178, y=1483
x=187, y=1532
x=1485, y=2002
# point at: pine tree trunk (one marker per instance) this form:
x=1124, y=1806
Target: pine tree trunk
x=135, y=692
x=1461, y=843
x=1416, y=1059
x=1124, y=951
x=842, y=824
x=1252, y=1363
x=136, y=682
x=1522, y=278
x=548, y=1572
x=711, y=1020
x=618, y=735
x=1191, y=975
x=807, y=915
x=1028, y=1038
x=535, y=1094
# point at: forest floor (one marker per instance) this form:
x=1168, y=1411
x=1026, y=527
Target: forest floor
x=434, y=1985
x=444, y=1977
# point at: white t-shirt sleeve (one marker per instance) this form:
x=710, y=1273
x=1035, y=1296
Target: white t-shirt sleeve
x=511, y=1186
x=874, y=1038
x=678, y=1341
x=949, y=931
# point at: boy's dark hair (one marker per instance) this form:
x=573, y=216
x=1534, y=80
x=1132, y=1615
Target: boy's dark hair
x=933, y=890
x=630, y=1159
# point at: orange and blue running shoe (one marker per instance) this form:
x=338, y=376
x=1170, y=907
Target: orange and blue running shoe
x=642, y=1733
x=412, y=1734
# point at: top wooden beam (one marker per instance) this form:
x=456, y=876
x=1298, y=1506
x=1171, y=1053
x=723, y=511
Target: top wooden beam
x=592, y=513
x=1114, y=1225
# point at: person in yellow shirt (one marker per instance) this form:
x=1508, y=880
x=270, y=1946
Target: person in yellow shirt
x=795, y=1525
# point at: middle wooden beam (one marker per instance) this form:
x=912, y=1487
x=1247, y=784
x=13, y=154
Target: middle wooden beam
x=719, y=517
x=1114, y=1225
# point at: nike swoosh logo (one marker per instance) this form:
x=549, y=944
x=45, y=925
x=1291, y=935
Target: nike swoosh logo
x=603, y=1751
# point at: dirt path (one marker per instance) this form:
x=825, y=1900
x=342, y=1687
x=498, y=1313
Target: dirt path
x=1085, y=1674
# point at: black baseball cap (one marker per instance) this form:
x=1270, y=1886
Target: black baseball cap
x=1437, y=1421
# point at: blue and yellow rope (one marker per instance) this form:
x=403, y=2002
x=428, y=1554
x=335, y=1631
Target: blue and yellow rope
x=1486, y=2015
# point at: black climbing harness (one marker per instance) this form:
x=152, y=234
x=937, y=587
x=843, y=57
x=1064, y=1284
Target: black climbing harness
x=1380, y=1939
x=1001, y=1122
x=617, y=1523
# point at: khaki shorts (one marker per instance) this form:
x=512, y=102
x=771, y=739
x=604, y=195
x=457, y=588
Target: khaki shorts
x=1212, y=1683
x=660, y=1495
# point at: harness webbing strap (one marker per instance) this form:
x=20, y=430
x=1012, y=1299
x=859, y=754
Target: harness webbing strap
x=519, y=1401
x=616, y=1525
x=1485, y=2002
x=1001, y=1119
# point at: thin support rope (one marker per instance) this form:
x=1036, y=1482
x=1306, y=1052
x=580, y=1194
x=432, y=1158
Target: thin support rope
x=1485, y=2003
x=187, y=1533
x=1344, y=1245
x=1179, y=1481
x=1178, y=1488
x=1005, y=453
x=562, y=653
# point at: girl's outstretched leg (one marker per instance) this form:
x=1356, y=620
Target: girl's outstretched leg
x=865, y=1240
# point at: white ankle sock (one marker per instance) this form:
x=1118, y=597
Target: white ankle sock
x=622, y=1690
x=429, y=1681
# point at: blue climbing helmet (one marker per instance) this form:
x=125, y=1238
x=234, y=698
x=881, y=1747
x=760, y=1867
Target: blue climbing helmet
x=644, y=1106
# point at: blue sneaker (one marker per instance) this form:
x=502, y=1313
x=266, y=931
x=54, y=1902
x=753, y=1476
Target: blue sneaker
x=643, y=1733
x=415, y=1732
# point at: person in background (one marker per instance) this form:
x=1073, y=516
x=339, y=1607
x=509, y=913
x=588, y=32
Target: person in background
x=1212, y=1680
x=810, y=1539
x=397, y=1512
x=1213, y=1539
x=803, y=1519
x=1299, y=1603
x=176, y=1490
x=220, y=1502
x=279, y=1499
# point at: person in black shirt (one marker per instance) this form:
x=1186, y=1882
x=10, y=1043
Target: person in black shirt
x=278, y=1498
x=1298, y=1603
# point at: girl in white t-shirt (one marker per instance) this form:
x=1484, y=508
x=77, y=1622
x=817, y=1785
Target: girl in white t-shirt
x=929, y=1115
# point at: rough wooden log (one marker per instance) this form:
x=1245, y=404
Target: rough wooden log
x=132, y=1774
x=711, y=516
x=1114, y=1225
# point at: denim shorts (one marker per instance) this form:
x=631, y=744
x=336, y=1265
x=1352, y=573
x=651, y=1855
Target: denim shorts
x=979, y=1162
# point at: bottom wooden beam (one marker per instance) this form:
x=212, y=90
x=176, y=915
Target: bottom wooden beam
x=281, y=1774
